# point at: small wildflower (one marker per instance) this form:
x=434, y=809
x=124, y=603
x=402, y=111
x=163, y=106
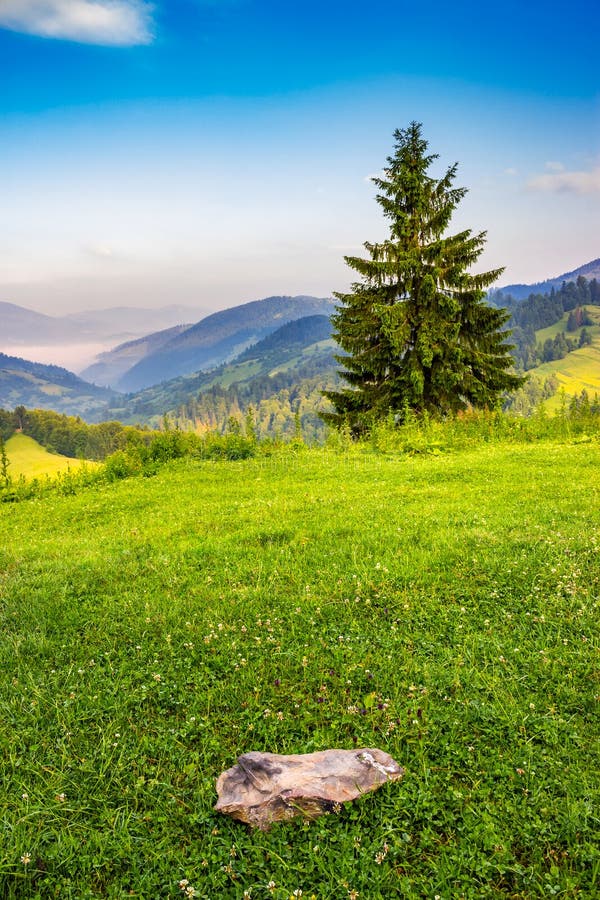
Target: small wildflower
x=352, y=895
x=24, y=796
x=520, y=771
x=379, y=857
x=26, y=859
x=297, y=892
x=60, y=798
x=271, y=886
x=183, y=884
x=247, y=895
x=156, y=676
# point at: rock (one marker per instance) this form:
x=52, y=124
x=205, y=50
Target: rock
x=265, y=787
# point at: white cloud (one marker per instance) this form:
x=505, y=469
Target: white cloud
x=553, y=166
x=117, y=23
x=567, y=182
x=100, y=251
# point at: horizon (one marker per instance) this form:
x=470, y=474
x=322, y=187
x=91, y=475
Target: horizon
x=203, y=153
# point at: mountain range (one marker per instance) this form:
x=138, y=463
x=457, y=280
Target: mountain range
x=218, y=338
x=19, y=325
x=521, y=291
x=296, y=351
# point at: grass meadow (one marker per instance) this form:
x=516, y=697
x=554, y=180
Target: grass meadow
x=441, y=607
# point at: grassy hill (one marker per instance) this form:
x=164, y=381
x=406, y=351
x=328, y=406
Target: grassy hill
x=579, y=370
x=30, y=459
x=443, y=608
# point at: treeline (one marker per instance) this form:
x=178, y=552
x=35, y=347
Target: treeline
x=542, y=310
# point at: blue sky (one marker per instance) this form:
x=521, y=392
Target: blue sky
x=210, y=152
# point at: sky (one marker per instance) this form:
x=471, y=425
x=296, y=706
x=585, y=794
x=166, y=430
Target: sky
x=211, y=152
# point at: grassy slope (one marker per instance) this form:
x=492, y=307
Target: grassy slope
x=30, y=459
x=444, y=609
x=544, y=333
x=578, y=370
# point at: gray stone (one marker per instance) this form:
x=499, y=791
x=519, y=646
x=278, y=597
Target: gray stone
x=265, y=787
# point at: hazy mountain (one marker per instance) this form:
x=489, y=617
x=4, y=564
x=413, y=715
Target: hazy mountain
x=521, y=291
x=297, y=350
x=36, y=386
x=113, y=364
x=131, y=321
x=219, y=338
x=19, y=325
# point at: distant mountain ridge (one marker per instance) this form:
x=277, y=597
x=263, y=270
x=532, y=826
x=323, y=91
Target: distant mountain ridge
x=19, y=325
x=219, y=338
x=521, y=291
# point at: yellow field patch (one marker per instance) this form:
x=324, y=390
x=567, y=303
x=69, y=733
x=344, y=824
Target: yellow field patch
x=30, y=459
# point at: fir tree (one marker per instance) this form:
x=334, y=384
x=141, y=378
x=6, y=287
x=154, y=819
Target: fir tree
x=416, y=330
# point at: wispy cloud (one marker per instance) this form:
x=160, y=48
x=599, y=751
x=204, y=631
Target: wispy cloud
x=560, y=180
x=116, y=23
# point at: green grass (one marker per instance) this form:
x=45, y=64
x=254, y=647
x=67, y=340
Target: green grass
x=443, y=608
x=30, y=459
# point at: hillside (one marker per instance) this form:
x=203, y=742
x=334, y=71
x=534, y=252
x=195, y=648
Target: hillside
x=36, y=386
x=441, y=607
x=219, y=338
x=589, y=270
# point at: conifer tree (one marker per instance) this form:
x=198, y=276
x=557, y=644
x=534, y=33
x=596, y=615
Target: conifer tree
x=417, y=332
